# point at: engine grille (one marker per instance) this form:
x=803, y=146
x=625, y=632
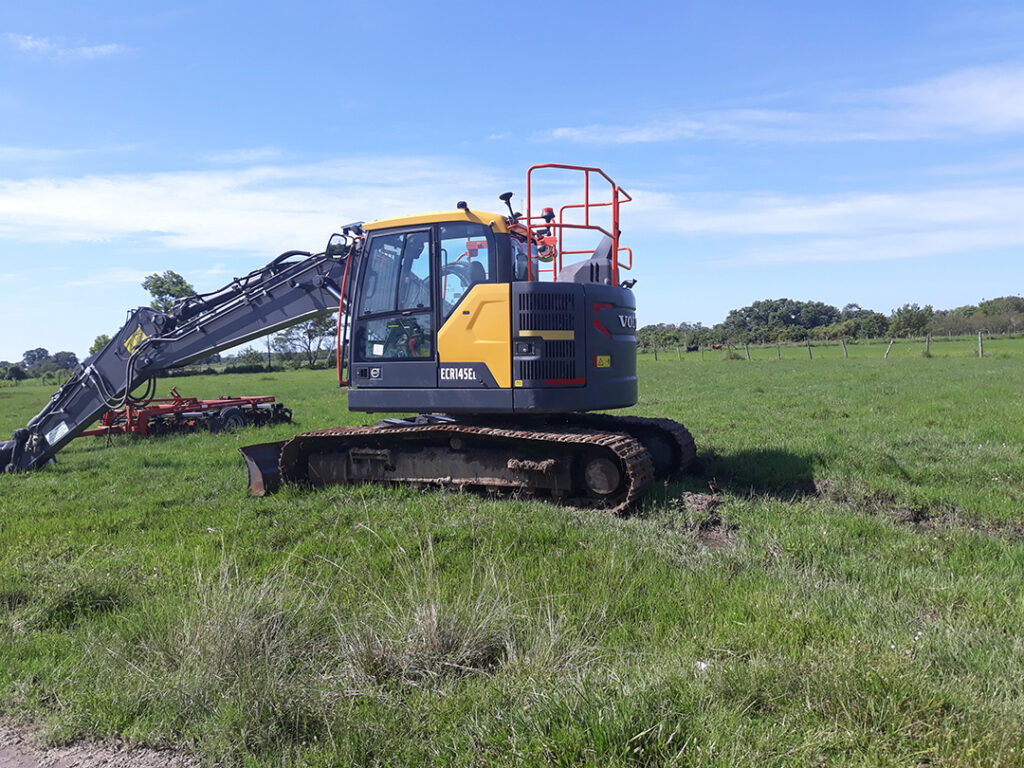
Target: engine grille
x=546, y=311
x=556, y=358
x=557, y=361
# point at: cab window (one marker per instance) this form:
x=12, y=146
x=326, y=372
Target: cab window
x=397, y=274
x=395, y=319
x=467, y=258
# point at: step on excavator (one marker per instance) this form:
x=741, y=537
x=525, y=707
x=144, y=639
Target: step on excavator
x=471, y=321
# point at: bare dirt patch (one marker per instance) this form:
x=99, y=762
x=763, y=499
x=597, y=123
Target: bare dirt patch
x=21, y=748
x=700, y=518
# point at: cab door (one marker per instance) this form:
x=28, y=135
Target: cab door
x=394, y=325
x=474, y=337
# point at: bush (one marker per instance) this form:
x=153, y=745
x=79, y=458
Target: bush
x=175, y=373
x=246, y=368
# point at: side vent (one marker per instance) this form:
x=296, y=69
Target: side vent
x=552, y=361
x=557, y=363
x=546, y=311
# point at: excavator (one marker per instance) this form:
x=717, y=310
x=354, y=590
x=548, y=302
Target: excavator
x=473, y=322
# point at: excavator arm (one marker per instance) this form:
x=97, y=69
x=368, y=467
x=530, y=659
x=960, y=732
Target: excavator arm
x=291, y=288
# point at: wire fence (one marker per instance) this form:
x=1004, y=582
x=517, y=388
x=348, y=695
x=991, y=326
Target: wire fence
x=980, y=346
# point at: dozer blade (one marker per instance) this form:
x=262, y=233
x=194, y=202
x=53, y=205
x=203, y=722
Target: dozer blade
x=263, y=462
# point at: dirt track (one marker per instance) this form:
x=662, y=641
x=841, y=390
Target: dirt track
x=19, y=748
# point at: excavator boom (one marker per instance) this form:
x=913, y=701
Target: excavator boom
x=291, y=288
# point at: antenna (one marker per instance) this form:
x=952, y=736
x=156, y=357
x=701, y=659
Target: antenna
x=506, y=198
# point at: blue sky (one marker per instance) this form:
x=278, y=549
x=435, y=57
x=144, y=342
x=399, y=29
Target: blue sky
x=866, y=152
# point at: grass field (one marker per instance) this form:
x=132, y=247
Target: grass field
x=841, y=584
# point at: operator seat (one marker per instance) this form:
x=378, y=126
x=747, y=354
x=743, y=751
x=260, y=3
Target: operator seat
x=477, y=273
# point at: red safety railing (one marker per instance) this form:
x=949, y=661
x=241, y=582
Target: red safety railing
x=560, y=227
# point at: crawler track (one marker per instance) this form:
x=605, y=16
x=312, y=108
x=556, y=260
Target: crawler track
x=670, y=443
x=598, y=462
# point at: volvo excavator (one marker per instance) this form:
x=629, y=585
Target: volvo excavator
x=471, y=321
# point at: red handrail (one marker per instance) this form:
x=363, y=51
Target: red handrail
x=533, y=223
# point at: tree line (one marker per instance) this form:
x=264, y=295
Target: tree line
x=36, y=363
x=311, y=342
x=779, y=320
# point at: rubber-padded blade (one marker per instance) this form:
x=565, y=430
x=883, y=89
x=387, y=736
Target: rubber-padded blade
x=263, y=462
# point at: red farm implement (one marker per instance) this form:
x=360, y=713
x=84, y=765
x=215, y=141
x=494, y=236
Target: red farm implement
x=164, y=415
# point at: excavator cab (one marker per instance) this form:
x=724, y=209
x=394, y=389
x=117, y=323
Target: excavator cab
x=468, y=311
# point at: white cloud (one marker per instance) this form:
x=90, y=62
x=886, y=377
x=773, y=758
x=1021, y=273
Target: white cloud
x=255, y=209
x=977, y=101
x=126, y=276
x=849, y=228
x=853, y=213
x=265, y=209
x=43, y=46
x=244, y=156
x=10, y=154
x=110, y=277
x=982, y=100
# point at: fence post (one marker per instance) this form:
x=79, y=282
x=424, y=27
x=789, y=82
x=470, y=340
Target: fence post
x=778, y=349
x=981, y=346
x=846, y=354
x=746, y=348
x=809, y=355
x=702, y=353
x=928, y=345
x=655, y=353
x=678, y=356
x=886, y=355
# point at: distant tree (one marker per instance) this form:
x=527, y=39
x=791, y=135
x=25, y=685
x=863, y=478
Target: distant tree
x=856, y=323
x=12, y=373
x=34, y=358
x=309, y=338
x=166, y=288
x=1002, y=306
x=660, y=336
x=910, y=320
x=772, y=319
x=249, y=356
x=850, y=311
x=101, y=341
x=952, y=321
x=64, y=360
x=871, y=325
x=286, y=345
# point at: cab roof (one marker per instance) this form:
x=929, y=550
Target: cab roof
x=493, y=220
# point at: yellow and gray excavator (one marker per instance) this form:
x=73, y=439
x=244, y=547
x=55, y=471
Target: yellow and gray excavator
x=471, y=321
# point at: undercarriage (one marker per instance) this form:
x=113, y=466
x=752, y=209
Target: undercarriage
x=581, y=460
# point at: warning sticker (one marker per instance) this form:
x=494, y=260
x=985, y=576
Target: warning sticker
x=603, y=361
x=57, y=433
x=133, y=341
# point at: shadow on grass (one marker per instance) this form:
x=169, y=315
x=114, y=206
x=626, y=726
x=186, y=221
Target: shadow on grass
x=65, y=608
x=763, y=472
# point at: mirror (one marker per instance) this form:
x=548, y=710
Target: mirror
x=337, y=247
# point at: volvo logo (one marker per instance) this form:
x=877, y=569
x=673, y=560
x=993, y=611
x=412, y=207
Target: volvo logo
x=627, y=321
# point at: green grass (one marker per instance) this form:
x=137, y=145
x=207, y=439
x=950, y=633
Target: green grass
x=853, y=596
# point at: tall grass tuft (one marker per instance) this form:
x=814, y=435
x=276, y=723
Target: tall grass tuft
x=242, y=665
